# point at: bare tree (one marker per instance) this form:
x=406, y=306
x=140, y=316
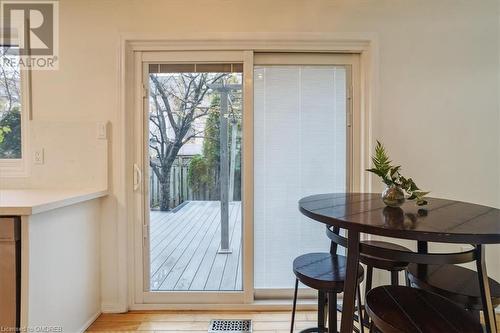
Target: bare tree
x=176, y=102
x=9, y=80
x=10, y=103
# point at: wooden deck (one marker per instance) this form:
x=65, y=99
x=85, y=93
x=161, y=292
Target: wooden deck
x=184, y=248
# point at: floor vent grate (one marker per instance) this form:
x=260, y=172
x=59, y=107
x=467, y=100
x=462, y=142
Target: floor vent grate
x=230, y=326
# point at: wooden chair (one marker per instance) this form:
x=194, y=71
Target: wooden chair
x=398, y=309
x=326, y=273
x=372, y=261
x=394, y=267
x=459, y=284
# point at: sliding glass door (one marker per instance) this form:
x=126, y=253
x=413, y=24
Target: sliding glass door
x=227, y=143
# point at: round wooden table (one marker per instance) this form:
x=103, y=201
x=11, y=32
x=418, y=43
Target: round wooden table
x=443, y=221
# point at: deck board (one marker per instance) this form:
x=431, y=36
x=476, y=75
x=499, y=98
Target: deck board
x=189, y=273
x=184, y=248
x=217, y=270
x=163, y=256
x=229, y=275
x=188, y=250
x=202, y=276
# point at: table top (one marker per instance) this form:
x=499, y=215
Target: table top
x=444, y=221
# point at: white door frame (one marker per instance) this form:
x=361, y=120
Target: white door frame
x=131, y=46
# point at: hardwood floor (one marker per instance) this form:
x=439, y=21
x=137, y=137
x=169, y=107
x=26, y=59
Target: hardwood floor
x=197, y=321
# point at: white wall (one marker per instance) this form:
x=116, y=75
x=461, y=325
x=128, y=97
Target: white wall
x=73, y=156
x=437, y=103
x=64, y=268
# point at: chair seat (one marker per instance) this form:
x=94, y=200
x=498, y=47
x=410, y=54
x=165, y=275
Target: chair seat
x=396, y=309
x=388, y=265
x=323, y=271
x=457, y=283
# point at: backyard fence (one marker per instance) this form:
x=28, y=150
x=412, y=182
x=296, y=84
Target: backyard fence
x=179, y=187
x=181, y=190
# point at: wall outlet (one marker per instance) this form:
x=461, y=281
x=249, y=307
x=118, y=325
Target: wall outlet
x=102, y=130
x=38, y=156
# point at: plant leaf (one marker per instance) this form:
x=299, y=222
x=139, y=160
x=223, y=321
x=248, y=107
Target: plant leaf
x=391, y=176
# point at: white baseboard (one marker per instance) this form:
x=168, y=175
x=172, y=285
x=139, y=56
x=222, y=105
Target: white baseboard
x=89, y=322
x=113, y=308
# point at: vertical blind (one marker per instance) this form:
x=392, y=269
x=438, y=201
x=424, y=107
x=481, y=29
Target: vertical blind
x=300, y=149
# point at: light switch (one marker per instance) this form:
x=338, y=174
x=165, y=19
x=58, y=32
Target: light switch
x=38, y=156
x=102, y=130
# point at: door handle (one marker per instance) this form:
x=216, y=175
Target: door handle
x=137, y=177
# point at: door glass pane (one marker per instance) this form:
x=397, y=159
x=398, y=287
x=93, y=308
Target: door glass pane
x=10, y=104
x=195, y=177
x=300, y=149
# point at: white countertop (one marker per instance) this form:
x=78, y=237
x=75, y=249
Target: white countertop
x=33, y=201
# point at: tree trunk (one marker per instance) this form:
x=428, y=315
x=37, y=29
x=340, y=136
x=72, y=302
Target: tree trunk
x=165, y=191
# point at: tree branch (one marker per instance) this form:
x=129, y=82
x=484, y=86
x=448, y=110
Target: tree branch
x=166, y=103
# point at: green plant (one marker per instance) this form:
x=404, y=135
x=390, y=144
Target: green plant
x=3, y=131
x=10, y=134
x=392, y=177
x=198, y=174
